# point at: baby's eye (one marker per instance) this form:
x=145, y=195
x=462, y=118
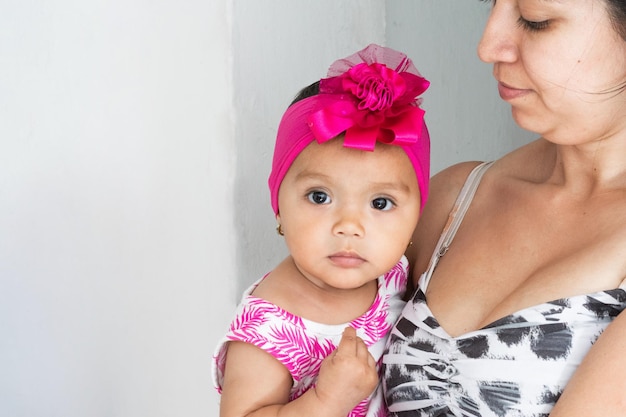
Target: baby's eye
x=382, y=203
x=318, y=197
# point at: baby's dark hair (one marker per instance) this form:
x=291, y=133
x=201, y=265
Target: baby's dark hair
x=308, y=91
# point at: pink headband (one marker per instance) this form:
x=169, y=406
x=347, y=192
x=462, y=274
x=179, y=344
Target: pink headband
x=369, y=96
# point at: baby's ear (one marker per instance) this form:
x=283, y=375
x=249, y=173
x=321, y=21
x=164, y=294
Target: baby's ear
x=279, y=227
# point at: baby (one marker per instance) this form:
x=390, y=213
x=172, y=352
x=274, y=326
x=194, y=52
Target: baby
x=349, y=179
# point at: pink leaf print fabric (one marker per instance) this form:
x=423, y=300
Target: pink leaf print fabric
x=301, y=345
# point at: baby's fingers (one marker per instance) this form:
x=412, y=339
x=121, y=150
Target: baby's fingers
x=363, y=354
x=349, y=343
x=348, y=375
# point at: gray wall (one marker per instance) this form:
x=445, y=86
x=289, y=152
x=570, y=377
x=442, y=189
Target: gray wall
x=135, y=145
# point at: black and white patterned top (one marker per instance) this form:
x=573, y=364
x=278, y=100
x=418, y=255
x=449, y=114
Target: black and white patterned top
x=515, y=366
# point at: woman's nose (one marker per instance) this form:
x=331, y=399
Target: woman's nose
x=499, y=41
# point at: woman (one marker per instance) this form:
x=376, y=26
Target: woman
x=517, y=311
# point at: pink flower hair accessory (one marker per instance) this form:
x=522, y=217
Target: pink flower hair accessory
x=369, y=96
x=374, y=102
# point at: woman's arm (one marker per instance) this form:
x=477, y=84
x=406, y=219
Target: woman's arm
x=598, y=387
x=258, y=385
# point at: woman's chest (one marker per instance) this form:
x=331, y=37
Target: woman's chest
x=493, y=269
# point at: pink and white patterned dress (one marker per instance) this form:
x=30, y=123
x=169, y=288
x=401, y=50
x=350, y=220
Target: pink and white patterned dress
x=301, y=344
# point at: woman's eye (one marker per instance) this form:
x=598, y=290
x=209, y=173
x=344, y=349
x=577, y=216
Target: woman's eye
x=531, y=26
x=382, y=204
x=318, y=197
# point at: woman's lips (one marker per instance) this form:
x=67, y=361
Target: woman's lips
x=509, y=93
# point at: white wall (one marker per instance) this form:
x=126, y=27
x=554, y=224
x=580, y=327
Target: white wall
x=135, y=145
x=116, y=228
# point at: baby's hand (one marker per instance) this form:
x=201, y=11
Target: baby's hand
x=348, y=375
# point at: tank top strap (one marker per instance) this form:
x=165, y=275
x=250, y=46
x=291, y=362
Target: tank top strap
x=462, y=203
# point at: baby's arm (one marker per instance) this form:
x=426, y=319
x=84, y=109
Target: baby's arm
x=257, y=385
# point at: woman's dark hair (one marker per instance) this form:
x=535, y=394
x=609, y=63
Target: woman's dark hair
x=306, y=92
x=617, y=14
x=616, y=10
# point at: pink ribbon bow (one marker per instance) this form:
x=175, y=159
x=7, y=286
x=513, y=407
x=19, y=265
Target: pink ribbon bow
x=373, y=102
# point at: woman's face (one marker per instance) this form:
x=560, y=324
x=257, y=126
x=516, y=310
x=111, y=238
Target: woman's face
x=559, y=63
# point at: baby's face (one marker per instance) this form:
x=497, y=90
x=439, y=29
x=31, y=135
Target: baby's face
x=348, y=215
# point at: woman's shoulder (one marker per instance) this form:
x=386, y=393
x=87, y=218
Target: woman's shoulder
x=448, y=182
x=522, y=163
x=444, y=189
x=526, y=163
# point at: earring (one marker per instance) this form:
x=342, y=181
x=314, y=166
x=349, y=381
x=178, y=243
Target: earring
x=410, y=243
x=279, y=229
